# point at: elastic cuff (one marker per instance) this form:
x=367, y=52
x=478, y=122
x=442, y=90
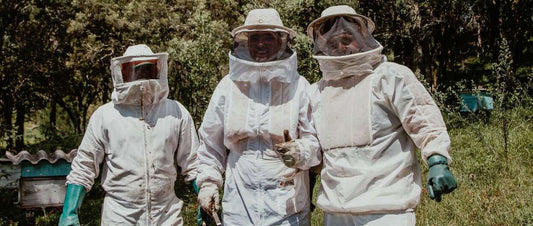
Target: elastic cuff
x=436, y=160
x=304, y=154
x=208, y=185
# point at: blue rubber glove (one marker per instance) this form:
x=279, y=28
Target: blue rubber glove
x=73, y=199
x=201, y=215
x=440, y=179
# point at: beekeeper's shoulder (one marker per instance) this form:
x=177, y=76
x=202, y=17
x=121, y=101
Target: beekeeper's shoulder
x=391, y=70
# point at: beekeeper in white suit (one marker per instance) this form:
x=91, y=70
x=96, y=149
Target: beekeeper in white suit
x=266, y=179
x=141, y=137
x=370, y=116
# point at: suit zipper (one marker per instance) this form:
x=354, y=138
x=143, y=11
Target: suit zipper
x=146, y=164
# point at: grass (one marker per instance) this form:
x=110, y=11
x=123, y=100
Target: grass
x=495, y=185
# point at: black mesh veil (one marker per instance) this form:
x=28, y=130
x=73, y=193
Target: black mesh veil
x=262, y=45
x=341, y=36
x=139, y=70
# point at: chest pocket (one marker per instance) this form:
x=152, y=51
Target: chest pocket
x=281, y=113
x=344, y=112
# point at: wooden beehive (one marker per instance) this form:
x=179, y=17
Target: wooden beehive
x=42, y=177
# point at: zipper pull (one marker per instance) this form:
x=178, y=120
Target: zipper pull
x=142, y=106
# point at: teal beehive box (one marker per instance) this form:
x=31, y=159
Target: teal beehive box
x=44, y=169
x=474, y=102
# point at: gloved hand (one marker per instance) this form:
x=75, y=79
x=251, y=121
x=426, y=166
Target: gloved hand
x=73, y=199
x=201, y=215
x=440, y=179
x=290, y=153
x=208, y=197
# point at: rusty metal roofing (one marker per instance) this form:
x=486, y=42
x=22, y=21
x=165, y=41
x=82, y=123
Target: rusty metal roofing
x=41, y=155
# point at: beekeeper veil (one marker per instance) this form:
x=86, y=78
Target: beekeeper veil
x=139, y=75
x=343, y=43
x=262, y=38
x=341, y=31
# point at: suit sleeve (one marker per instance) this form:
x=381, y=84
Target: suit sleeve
x=419, y=114
x=212, y=151
x=186, y=154
x=307, y=138
x=86, y=165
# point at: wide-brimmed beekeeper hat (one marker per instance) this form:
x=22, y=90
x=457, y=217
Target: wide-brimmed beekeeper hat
x=263, y=19
x=339, y=11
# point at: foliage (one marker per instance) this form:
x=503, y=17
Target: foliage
x=445, y=43
x=54, y=72
x=195, y=60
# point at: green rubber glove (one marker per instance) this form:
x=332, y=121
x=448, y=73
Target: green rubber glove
x=201, y=215
x=195, y=187
x=440, y=179
x=73, y=199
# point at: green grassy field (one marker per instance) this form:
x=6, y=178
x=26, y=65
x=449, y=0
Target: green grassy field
x=495, y=182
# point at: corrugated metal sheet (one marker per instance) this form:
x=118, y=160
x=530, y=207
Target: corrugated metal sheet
x=40, y=155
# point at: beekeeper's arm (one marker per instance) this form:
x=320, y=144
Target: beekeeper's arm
x=85, y=167
x=186, y=153
x=422, y=120
x=212, y=151
x=303, y=152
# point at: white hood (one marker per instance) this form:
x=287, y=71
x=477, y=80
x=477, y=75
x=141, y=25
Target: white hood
x=246, y=71
x=151, y=91
x=359, y=64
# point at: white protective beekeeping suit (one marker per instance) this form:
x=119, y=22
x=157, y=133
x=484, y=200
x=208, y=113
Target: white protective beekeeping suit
x=370, y=116
x=247, y=114
x=141, y=137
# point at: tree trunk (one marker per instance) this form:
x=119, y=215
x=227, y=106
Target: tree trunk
x=8, y=122
x=74, y=119
x=53, y=117
x=19, y=123
x=425, y=60
x=84, y=108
